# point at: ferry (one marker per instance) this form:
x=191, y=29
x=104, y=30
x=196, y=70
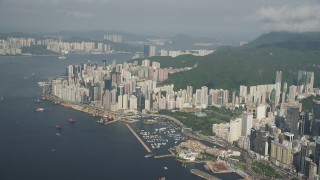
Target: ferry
x=39, y=109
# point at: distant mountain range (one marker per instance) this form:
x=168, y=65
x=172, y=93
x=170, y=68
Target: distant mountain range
x=253, y=64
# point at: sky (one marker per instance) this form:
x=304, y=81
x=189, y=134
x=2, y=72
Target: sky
x=223, y=18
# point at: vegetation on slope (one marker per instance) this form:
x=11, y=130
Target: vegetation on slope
x=308, y=103
x=174, y=62
x=254, y=64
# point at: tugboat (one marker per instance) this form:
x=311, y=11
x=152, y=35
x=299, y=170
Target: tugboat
x=59, y=126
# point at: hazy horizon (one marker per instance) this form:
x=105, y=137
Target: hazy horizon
x=243, y=20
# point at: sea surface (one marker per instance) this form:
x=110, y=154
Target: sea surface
x=31, y=148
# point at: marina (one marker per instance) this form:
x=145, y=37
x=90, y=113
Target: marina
x=139, y=139
x=160, y=136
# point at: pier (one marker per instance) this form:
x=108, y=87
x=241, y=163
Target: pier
x=203, y=174
x=163, y=156
x=139, y=139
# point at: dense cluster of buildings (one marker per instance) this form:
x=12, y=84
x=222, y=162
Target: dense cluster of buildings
x=273, y=124
x=275, y=127
x=113, y=38
x=201, y=52
x=12, y=46
x=129, y=86
x=59, y=46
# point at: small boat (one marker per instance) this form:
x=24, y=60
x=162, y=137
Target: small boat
x=39, y=109
x=148, y=155
x=71, y=120
x=165, y=168
x=56, y=102
x=62, y=57
x=102, y=121
x=59, y=126
x=1, y=99
x=36, y=100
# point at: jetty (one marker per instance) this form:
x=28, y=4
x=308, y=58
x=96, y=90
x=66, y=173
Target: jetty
x=203, y=174
x=139, y=139
x=163, y=156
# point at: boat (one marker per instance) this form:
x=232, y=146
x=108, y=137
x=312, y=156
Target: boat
x=149, y=122
x=56, y=102
x=71, y=120
x=59, y=126
x=148, y=155
x=1, y=99
x=62, y=57
x=165, y=168
x=42, y=83
x=102, y=121
x=39, y=109
x=36, y=100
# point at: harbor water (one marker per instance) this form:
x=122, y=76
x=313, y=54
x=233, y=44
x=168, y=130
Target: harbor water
x=32, y=148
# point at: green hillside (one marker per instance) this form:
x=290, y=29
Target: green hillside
x=254, y=64
x=176, y=62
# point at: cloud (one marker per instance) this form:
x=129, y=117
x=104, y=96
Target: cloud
x=79, y=14
x=304, y=18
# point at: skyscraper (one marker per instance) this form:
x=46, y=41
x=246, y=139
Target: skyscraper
x=152, y=51
x=146, y=51
x=316, y=120
x=292, y=120
x=246, y=124
x=278, y=77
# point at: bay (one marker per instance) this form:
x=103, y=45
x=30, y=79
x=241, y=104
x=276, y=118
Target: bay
x=32, y=148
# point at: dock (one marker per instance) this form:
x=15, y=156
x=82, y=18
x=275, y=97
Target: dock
x=163, y=156
x=203, y=174
x=139, y=139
